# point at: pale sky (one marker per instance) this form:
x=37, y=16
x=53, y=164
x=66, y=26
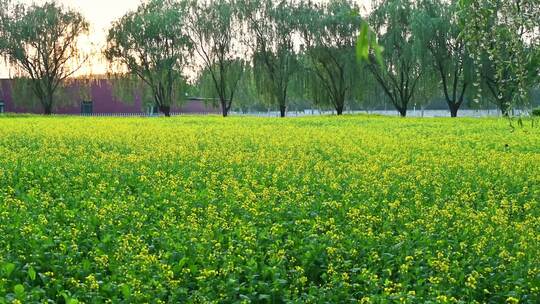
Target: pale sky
x=100, y=14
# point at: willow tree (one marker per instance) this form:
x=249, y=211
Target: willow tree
x=4, y=6
x=436, y=26
x=248, y=98
x=402, y=66
x=152, y=44
x=504, y=38
x=41, y=43
x=271, y=26
x=329, y=33
x=215, y=33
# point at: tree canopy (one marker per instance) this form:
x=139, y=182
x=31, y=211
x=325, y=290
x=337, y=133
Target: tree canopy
x=290, y=54
x=214, y=33
x=272, y=29
x=436, y=24
x=503, y=36
x=41, y=42
x=329, y=32
x=398, y=76
x=152, y=44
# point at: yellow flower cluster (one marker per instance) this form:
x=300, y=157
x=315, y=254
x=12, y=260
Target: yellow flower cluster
x=318, y=210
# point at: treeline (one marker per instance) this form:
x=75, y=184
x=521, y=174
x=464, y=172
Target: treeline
x=249, y=53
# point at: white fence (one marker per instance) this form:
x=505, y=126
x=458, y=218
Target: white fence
x=410, y=113
x=141, y=114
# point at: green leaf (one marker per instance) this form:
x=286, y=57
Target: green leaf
x=362, y=44
x=464, y=3
x=31, y=273
x=378, y=54
x=126, y=291
x=67, y=298
x=182, y=262
x=8, y=268
x=19, y=290
x=65, y=295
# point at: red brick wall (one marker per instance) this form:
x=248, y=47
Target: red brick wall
x=103, y=102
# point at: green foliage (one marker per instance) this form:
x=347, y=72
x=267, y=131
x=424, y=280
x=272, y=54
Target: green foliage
x=31, y=273
x=392, y=23
x=436, y=24
x=298, y=53
x=4, y=8
x=272, y=26
x=72, y=92
x=367, y=43
x=41, y=44
x=536, y=112
x=218, y=83
x=329, y=33
x=151, y=43
x=305, y=210
x=503, y=38
x=7, y=269
x=247, y=96
x=128, y=88
x=214, y=28
x=19, y=291
x=428, y=88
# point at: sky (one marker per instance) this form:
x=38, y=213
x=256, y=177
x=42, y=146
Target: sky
x=100, y=14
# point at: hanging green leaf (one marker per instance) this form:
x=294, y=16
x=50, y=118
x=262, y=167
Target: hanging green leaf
x=362, y=44
x=378, y=49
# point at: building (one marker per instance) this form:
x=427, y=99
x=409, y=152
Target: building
x=101, y=101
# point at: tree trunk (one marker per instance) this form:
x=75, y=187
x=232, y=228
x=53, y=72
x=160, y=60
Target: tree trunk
x=282, y=110
x=47, y=103
x=166, y=110
x=224, y=109
x=47, y=110
x=402, y=112
x=453, y=110
x=340, y=103
x=505, y=108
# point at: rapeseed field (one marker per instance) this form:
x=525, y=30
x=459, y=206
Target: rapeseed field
x=258, y=210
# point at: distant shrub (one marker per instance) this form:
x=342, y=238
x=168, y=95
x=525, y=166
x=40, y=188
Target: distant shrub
x=536, y=112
